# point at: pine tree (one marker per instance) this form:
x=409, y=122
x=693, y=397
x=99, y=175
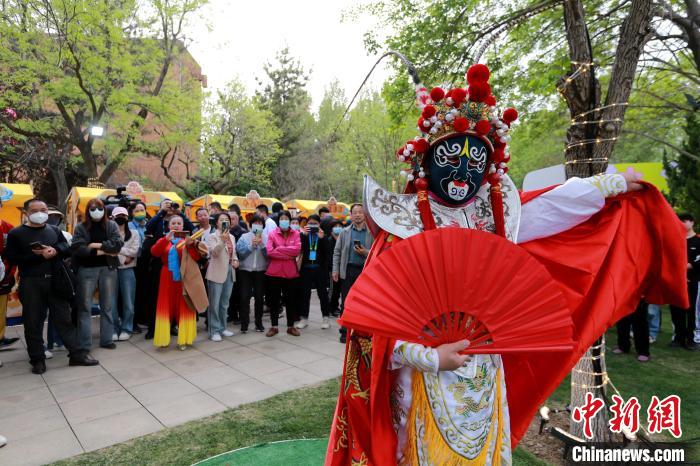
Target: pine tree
x=683, y=172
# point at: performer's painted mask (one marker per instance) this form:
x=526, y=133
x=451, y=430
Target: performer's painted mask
x=456, y=167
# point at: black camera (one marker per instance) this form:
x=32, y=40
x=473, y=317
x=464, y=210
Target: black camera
x=120, y=199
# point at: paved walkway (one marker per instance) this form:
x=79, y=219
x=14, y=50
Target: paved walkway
x=138, y=389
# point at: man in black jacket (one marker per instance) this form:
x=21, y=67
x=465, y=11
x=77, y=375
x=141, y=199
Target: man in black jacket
x=37, y=249
x=158, y=225
x=684, y=319
x=316, y=255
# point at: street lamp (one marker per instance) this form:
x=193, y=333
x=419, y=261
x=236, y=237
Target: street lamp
x=97, y=131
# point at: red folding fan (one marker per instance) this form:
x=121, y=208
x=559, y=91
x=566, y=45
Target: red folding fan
x=451, y=284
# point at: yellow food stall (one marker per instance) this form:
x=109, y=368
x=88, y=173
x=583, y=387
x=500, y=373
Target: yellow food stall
x=304, y=207
x=247, y=203
x=13, y=197
x=79, y=197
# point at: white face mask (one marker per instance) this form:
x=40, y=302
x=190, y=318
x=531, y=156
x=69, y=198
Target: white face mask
x=39, y=218
x=97, y=215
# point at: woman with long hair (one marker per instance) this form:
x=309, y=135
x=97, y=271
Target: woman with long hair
x=223, y=263
x=128, y=257
x=95, y=246
x=283, y=248
x=179, y=276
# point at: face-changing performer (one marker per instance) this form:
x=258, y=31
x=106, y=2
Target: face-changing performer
x=404, y=403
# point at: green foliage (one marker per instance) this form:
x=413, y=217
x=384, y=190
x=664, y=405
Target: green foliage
x=240, y=145
x=527, y=61
x=68, y=65
x=683, y=172
x=283, y=94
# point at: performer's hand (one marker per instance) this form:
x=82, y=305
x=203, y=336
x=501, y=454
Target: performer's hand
x=336, y=277
x=450, y=359
x=632, y=182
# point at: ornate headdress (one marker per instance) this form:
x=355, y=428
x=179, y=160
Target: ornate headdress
x=470, y=111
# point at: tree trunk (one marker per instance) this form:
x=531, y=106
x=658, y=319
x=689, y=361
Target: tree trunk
x=590, y=142
x=580, y=89
x=634, y=34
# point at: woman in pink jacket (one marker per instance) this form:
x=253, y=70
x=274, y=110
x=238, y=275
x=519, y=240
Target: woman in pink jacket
x=283, y=248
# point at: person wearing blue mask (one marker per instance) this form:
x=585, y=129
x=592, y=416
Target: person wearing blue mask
x=314, y=270
x=251, y=272
x=283, y=248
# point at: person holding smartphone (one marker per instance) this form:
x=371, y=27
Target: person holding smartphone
x=223, y=262
x=96, y=244
x=253, y=256
x=36, y=249
x=283, y=248
x=351, y=250
x=316, y=255
x=171, y=305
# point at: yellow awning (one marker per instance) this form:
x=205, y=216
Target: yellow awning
x=13, y=197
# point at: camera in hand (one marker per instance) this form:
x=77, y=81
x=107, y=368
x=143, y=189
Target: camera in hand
x=181, y=234
x=225, y=226
x=36, y=245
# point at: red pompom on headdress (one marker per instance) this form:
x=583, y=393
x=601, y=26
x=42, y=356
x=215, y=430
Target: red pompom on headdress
x=437, y=94
x=510, y=115
x=478, y=73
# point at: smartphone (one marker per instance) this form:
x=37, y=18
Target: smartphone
x=358, y=243
x=181, y=234
x=36, y=245
x=259, y=233
x=225, y=226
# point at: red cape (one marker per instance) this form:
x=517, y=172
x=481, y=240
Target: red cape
x=634, y=247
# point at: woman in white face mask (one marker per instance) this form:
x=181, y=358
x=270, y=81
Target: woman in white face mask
x=95, y=247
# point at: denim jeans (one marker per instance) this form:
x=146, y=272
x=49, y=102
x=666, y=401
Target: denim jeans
x=127, y=291
x=90, y=279
x=219, y=295
x=53, y=339
x=654, y=317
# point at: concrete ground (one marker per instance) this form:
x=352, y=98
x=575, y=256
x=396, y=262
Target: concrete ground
x=138, y=389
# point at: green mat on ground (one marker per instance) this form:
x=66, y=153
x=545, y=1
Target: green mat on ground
x=305, y=452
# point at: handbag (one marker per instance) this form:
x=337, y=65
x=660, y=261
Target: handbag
x=64, y=283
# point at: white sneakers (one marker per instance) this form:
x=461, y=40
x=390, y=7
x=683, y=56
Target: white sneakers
x=302, y=323
x=3, y=441
x=325, y=324
x=115, y=337
x=227, y=333
x=215, y=337
x=48, y=354
x=124, y=336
